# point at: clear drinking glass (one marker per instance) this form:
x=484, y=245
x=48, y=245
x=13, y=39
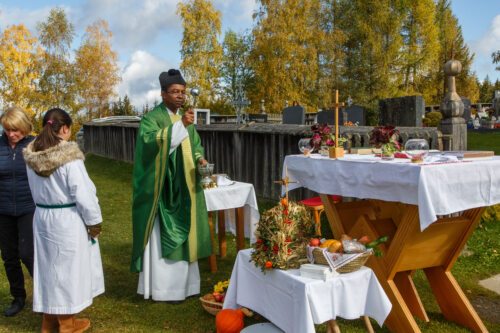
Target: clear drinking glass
x=417, y=149
x=305, y=146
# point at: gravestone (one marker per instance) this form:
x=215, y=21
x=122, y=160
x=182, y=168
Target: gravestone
x=467, y=108
x=294, y=115
x=402, y=111
x=327, y=117
x=257, y=117
x=355, y=113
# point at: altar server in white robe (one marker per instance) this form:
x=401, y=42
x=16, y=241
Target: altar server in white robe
x=67, y=265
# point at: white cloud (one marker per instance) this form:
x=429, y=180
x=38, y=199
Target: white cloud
x=140, y=79
x=491, y=40
x=30, y=18
x=135, y=24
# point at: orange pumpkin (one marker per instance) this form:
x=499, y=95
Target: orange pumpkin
x=229, y=321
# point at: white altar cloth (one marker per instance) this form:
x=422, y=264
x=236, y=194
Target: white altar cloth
x=437, y=189
x=295, y=303
x=235, y=196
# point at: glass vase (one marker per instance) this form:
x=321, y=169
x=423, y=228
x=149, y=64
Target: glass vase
x=387, y=151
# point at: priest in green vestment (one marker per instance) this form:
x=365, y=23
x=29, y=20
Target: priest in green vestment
x=169, y=216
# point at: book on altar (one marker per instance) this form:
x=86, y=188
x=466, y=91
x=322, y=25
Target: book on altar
x=465, y=154
x=318, y=272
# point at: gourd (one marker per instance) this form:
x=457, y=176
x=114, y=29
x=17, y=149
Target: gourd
x=229, y=321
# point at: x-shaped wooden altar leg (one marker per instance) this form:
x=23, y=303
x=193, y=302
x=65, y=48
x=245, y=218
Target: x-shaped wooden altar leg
x=434, y=250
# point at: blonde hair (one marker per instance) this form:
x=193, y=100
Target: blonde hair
x=14, y=118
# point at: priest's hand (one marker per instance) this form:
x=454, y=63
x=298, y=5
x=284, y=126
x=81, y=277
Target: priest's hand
x=94, y=230
x=188, y=118
x=202, y=161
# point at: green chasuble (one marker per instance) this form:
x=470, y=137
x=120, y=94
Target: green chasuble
x=168, y=185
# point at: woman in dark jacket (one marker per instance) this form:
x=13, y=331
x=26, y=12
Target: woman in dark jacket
x=16, y=205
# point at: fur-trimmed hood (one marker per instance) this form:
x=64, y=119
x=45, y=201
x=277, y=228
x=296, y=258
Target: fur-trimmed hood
x=45, y=162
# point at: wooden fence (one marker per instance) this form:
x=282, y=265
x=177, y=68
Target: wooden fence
x=252, y=154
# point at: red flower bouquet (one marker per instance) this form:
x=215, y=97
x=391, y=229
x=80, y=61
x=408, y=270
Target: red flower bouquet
x=323, y=135
x=385, y=137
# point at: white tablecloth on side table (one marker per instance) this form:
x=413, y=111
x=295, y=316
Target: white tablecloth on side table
x=235, y=196
x=295, y=303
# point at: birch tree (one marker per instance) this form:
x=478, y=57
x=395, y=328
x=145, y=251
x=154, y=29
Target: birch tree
x=96, y=70
x=201, y=51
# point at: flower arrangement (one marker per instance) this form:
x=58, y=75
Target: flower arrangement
x=323, y=135
x=385, y=137
x=282, y=235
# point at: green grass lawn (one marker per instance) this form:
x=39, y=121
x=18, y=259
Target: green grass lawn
x=484, y=140
x=120, y=309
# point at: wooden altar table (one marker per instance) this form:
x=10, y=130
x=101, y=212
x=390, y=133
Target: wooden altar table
x=429, y=211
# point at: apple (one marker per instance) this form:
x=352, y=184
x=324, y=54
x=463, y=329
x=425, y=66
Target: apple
x=218, y=297
x=314, y=242
x=364, y=240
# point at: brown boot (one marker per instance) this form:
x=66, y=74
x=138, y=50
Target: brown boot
x=49, y=323
x=69, y=324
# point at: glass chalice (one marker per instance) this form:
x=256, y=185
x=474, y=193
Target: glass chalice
x=305, y=146
x=417, y=149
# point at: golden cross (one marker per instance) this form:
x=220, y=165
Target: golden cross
x=336, y=105
x=284, y=182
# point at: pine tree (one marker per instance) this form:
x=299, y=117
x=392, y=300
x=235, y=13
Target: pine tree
x=117, y=107
x=486, y=90
x=420, y=45
x=128, y=108
x=373, y=44
x=201, y=52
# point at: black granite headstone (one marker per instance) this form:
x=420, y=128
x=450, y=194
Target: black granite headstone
x=257, y=117
x=402, y=111
x=294, y=115
x=326, y=117
x=356, y=114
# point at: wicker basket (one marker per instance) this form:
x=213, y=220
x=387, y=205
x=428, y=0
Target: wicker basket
x=210, y=306
x=351, y=266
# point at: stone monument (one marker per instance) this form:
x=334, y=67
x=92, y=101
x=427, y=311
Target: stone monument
x=453, y=124
x=496, y=103
x=402, y=111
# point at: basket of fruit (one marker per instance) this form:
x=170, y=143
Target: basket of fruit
x=346, y=255
x=212, y=303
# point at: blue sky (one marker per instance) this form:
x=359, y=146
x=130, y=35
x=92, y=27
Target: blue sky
x=147, y=33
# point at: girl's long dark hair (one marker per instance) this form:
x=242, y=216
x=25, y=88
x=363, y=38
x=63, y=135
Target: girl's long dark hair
x=53, y=120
